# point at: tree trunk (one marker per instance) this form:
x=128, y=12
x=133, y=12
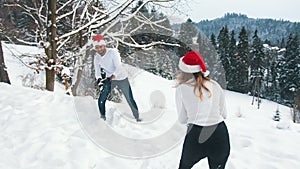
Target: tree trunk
x=79, y=73
x=3, y=73
x=52, y=50
x=297, y=107
x=297, y=100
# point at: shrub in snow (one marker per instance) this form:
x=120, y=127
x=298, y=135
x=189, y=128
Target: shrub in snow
x=276, y=117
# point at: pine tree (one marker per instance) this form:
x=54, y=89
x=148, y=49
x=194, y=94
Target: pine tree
x=232, y=44
x=256, y=67
x=187, y=32
x=282, y=43
x=205, y=45
x=290, y=70
x=211, y=58
x=271, y=90
x=231, y=78
x=223, y=49
x=257, y=54
x=242, y=57
x=213, y=40
x=223, y=41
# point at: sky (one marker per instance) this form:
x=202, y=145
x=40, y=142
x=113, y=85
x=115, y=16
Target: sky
x=199, y=10
x=51, y=130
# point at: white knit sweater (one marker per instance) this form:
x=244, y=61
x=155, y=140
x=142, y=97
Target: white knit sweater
x=191, y=110
x=111, y=63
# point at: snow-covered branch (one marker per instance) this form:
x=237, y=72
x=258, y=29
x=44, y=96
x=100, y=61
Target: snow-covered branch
x=148, y=21
x=63, y=43
x=21, y=60
x=136, y=45
x=102, y=19
x=64, y=5
x=27, y=42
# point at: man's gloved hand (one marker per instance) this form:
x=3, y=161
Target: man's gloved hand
x=101, y=81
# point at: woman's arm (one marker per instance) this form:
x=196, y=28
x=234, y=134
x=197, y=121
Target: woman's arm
x=182, y=114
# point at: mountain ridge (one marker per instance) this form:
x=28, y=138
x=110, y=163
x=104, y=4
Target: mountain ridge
x=268, y=29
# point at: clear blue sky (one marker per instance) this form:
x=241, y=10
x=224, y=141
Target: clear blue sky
x=210, y=9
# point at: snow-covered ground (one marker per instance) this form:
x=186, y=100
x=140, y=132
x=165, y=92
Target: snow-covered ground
x=41, y=129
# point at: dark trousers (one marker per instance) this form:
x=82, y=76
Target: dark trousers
x=125, y=87
x=106, y=88
x=206, y=141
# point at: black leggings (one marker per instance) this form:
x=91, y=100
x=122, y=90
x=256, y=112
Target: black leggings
x=206, y=141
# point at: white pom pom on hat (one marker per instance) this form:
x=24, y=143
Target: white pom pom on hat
x=192, y=62
x=98, y=40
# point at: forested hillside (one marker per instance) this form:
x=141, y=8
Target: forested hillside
x=269, y=29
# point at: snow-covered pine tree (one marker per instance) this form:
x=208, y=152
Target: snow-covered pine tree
x=187, y=32
x=213, y=40
x=257, y=66
x=282, y=43
x=223, y=41
x=242, y=75
x=211, y=58
x=271, y=90
x=292, y=73
x=230, y=76
x=257, y=56
x=223, y=50
x=289, y=79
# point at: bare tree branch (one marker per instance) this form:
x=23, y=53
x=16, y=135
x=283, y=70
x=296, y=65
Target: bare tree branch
x=115, y=37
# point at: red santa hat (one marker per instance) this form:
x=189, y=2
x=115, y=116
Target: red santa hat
x=192, y=62
x=98, y=40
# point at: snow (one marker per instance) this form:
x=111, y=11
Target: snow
x=41, y=129
x=66, y=71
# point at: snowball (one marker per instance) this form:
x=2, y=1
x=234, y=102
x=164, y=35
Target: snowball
x=157, y=99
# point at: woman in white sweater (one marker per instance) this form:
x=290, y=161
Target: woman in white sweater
x=201, y=105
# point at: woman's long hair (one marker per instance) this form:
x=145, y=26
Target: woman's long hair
x=193, y=79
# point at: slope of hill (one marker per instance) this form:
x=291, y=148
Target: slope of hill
x=41, y=129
